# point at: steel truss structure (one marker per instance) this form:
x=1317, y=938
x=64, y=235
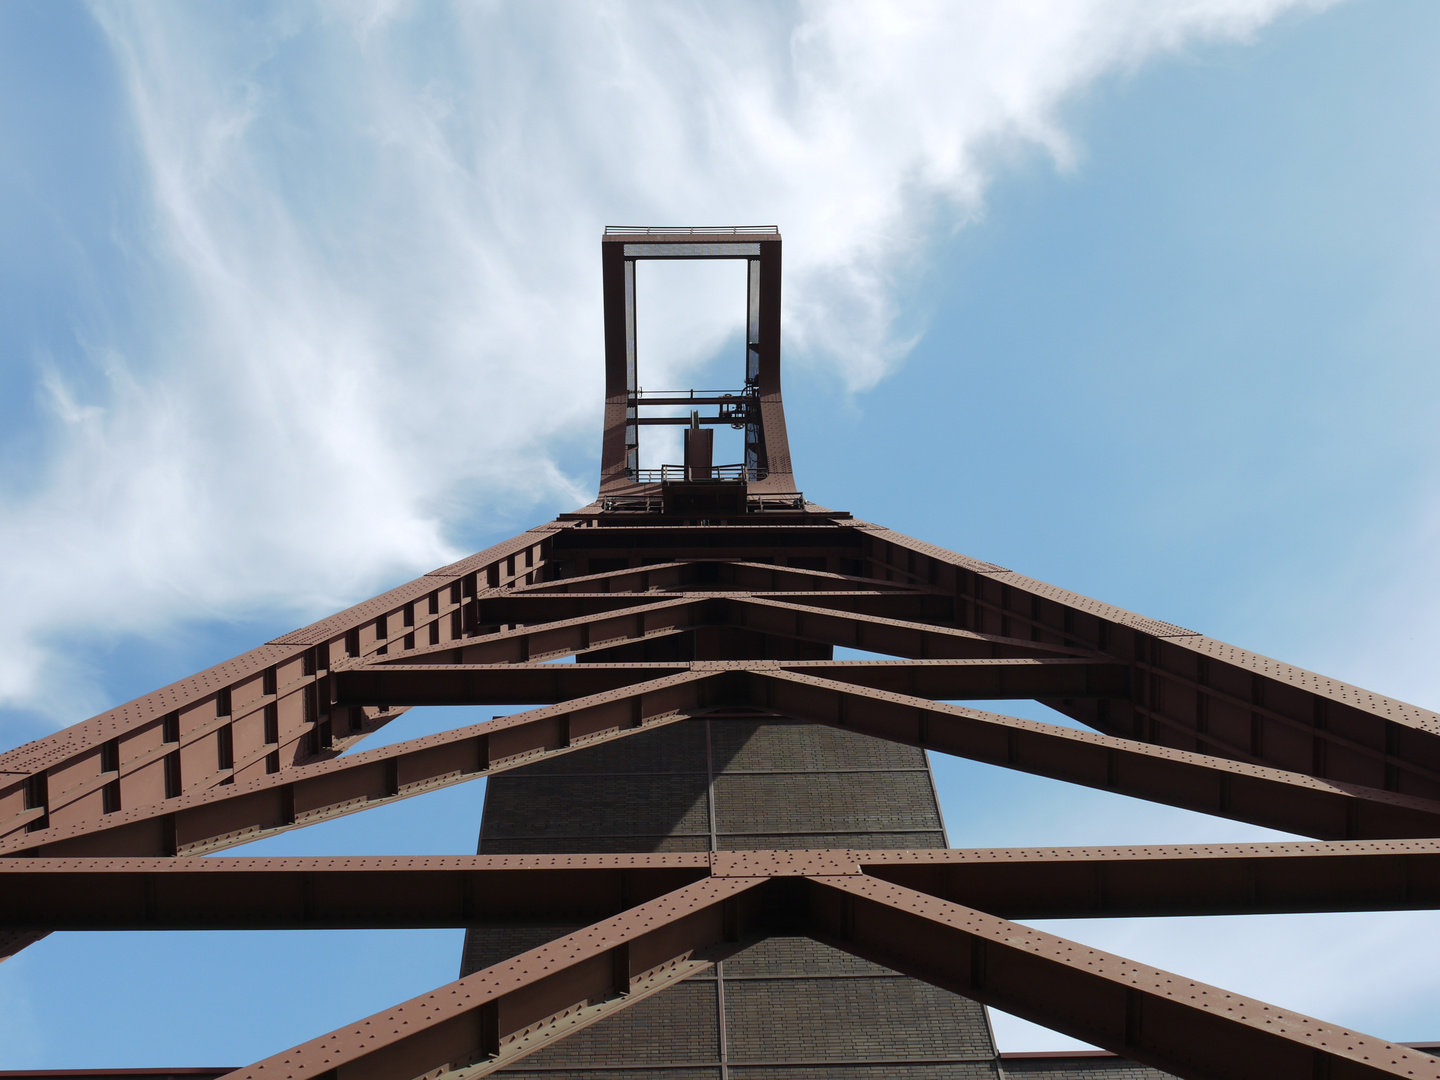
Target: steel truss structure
x=711, y=595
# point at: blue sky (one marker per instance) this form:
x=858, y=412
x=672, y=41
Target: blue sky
x=298, y=302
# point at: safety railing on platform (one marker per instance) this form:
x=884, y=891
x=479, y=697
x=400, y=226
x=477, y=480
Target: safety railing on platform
x=775, y=500
x=693, y=474
x=771, y=502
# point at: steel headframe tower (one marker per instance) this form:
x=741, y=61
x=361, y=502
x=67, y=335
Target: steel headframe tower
x=711, y=824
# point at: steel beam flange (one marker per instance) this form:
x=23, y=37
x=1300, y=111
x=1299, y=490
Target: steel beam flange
x=1195, y=1031
x=794, y=863
x=223, y=816
x=490, y=1019
x=1294, y=802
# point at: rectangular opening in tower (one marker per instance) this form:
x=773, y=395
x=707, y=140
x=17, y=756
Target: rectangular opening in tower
x=692, y=344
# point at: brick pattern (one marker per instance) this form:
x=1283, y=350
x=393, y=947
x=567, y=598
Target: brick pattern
x=843, y=1019
x=679, y=1026
x=793, y=1007
x=786, y=841
x=810, y=803
x=519, y=805
x=1106, y=1068
x=584, y=845
x=889, y=1070
x=773, y=746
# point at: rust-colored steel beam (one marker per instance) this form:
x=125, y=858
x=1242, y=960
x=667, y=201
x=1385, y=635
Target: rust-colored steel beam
x=872, y=633
x=222, y=817
x=526, y=684
x=383, y=892
x=494, y=1017
x=667, y=615
x=252, y=714
x=1210, y=879
x=507, y=607
x=710, y=541
x=1192, y=692
x=333, y=893
x=1292, y=802
x=564, y=637
x=1195, y=1031
x=719, y=574
x=488, y=684
x=1028, y=677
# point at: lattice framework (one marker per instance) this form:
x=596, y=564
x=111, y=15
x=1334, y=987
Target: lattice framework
x=674, y=616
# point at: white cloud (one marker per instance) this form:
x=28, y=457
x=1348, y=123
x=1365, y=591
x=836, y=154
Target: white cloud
x=371, y=268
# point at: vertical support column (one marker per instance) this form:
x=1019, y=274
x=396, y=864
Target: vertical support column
x=632, y=381
x=773, y=450
x=754, y=443
x=618, y=439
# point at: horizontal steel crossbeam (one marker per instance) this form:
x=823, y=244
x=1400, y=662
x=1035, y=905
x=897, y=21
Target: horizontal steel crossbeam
x=495, y=1017
x=528, y=684
x=392, y=892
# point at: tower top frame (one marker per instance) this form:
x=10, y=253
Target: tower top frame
x=757, y=406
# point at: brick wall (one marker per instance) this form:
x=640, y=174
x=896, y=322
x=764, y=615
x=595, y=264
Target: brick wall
x=791, y=1007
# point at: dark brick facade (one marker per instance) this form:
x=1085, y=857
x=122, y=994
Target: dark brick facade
x=1077, y=1067
x=787, y=1007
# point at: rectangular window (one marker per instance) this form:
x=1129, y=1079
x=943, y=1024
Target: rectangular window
x=222, y=702
x=267, y=681
x=357, y=718
x=382, y=628
x=272, y=761
x=433, y=603
x=352, y=642
x=455, y=592
x=272, y=723
x=170, y=727
x=435, y=632
x=408, y=615
x=110, y=797
x=110, y=755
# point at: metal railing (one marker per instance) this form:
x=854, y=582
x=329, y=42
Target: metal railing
x=642, y=393
x=754, y=504
x=775, y=500
x=676, y=474
x=645, y=504
x=692, y=230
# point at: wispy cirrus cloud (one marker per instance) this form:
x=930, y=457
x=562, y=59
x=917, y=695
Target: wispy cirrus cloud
x=366, y=246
